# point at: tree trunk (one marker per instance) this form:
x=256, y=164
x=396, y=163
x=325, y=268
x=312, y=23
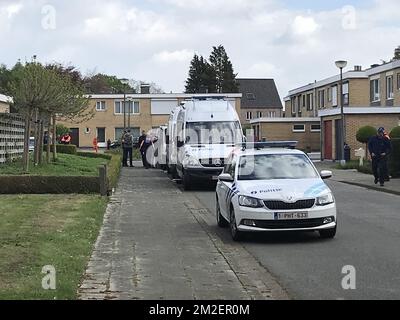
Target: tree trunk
x=48, y=140
x=54, y=138
x=41, y=137
x=37, y=138
x=26, y=141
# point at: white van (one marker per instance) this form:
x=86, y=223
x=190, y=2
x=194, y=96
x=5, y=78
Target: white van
x=207, y=130
x=170, y=142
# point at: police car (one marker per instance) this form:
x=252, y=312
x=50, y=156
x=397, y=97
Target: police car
x=273, y=187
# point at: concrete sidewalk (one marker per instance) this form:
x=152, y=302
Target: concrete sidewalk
x=153, y=246
x=354, y=177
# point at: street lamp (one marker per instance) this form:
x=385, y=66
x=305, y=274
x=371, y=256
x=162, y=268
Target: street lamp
x=125, y=82
x=341, y=64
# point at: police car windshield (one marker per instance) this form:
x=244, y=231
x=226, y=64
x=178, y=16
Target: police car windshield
x=276, y=166
x=213, y=132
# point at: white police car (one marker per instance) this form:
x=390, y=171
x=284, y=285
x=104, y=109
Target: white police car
x=273, y=188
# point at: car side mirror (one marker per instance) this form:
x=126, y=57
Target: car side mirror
x=225, y=177
x=325, y=174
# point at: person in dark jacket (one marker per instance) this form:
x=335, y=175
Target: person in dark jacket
x=143, y=148
x=379, y=147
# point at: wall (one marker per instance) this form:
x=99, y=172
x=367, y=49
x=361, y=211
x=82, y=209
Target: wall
x=12, y=129
x=283, y=131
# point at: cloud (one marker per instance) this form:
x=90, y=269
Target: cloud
x=154, y=40
x=184, y=55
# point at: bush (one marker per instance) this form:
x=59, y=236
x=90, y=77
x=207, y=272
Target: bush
x=61, y=130
x=94, y=155
x=364, y=133
x=63, y=148
x=395, y=133
x=48, y=184
x=113, y=170
x=394, y=158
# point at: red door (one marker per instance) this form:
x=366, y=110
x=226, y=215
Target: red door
x=328, y=140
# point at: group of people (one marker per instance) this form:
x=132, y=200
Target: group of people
x=379, y=148
x=144, y=143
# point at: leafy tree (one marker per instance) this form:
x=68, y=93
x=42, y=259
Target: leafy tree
x=201, y=76
x=102, y=83
x=223, y=68
x=364, y=134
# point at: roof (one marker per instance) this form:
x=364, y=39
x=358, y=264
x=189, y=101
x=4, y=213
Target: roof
x=284, y=120
x=164, y=96
x=5, y=99
x=259, y=93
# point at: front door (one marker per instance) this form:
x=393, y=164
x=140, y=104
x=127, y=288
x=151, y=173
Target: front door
x=74, y=136
x=328, y=140
x=101, y=137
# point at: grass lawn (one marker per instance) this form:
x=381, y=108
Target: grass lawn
x=40, y=230
x=66, y=165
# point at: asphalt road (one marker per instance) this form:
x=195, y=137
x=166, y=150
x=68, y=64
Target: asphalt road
x=308, y=267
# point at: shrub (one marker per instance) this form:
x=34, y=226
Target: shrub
x=395, y=133
x=61, y=130
x=63, y=148
x=94, y=155
x=364, y=133
x=394, y=158
x=113, y=170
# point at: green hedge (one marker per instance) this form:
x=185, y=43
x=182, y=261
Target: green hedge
x=394, y=159
x=63, y=148
x=87, y=154
x=113, y=170
x=48, y=184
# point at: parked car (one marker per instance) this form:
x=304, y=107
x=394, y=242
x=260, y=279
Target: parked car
x=274, y=189
x=31, y=144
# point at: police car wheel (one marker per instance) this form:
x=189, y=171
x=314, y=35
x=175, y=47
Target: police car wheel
x=222, y=223
x=328, y=233
x=235, y=233
x=186, y=182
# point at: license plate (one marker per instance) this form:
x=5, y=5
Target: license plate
x=290, y=215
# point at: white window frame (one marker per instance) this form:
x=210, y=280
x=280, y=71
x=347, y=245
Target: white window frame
x=249, y=115
x=132, y=105
x=334, y=91
x=315, y=130
x=259, y=114
x=376, y=83
x=299, y=130
x=346, y=93
x=389, y=88
x=100, y=106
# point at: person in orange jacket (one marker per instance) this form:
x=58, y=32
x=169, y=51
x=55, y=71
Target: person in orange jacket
x=95, y=144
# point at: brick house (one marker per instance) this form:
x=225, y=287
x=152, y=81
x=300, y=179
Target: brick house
x=371, y=97
x=148, y=111
x=260, y=98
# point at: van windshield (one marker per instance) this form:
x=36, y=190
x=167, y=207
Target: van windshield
x=213, y=132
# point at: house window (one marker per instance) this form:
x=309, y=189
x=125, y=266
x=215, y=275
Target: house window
x=259, y=114
x=299, y=128
x=398, y=81
x=272, y=114
x=375, y=90
x=250, y=96
x=310, y=102
x=249, y=115
x=315, y=128
x=346, y=94
x=321, y=99
x=389, y=87
x=334, y=96
x=304, y=100
x=329, y=94
x=293, y=104
x=130, y=106
x=100, y=106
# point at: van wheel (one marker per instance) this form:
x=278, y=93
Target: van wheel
x=328, y=233
x=222, y=223
x=235, y=233
x=186, y=182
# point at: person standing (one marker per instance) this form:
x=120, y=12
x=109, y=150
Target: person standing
x=129, y=147
x=95, y=145
x=379, y=148
x=143, y=149
x=124, y=151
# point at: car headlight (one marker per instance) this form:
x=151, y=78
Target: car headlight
x=190, y=161
x=250, y=202
x=325, y=200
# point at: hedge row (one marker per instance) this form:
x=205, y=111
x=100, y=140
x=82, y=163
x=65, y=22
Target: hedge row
x=48, y=184
x=87, y=154
x=63, y=148
x=394, y=158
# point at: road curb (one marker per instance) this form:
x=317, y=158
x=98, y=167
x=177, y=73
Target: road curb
x=380, y=189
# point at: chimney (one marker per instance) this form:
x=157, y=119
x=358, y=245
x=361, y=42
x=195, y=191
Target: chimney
x=397, y=53
x=145, y=88
x=357, y=68
x=375, y=65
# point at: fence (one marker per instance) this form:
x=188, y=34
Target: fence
x=12, y=129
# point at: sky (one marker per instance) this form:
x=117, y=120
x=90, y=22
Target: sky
x=293, y=42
